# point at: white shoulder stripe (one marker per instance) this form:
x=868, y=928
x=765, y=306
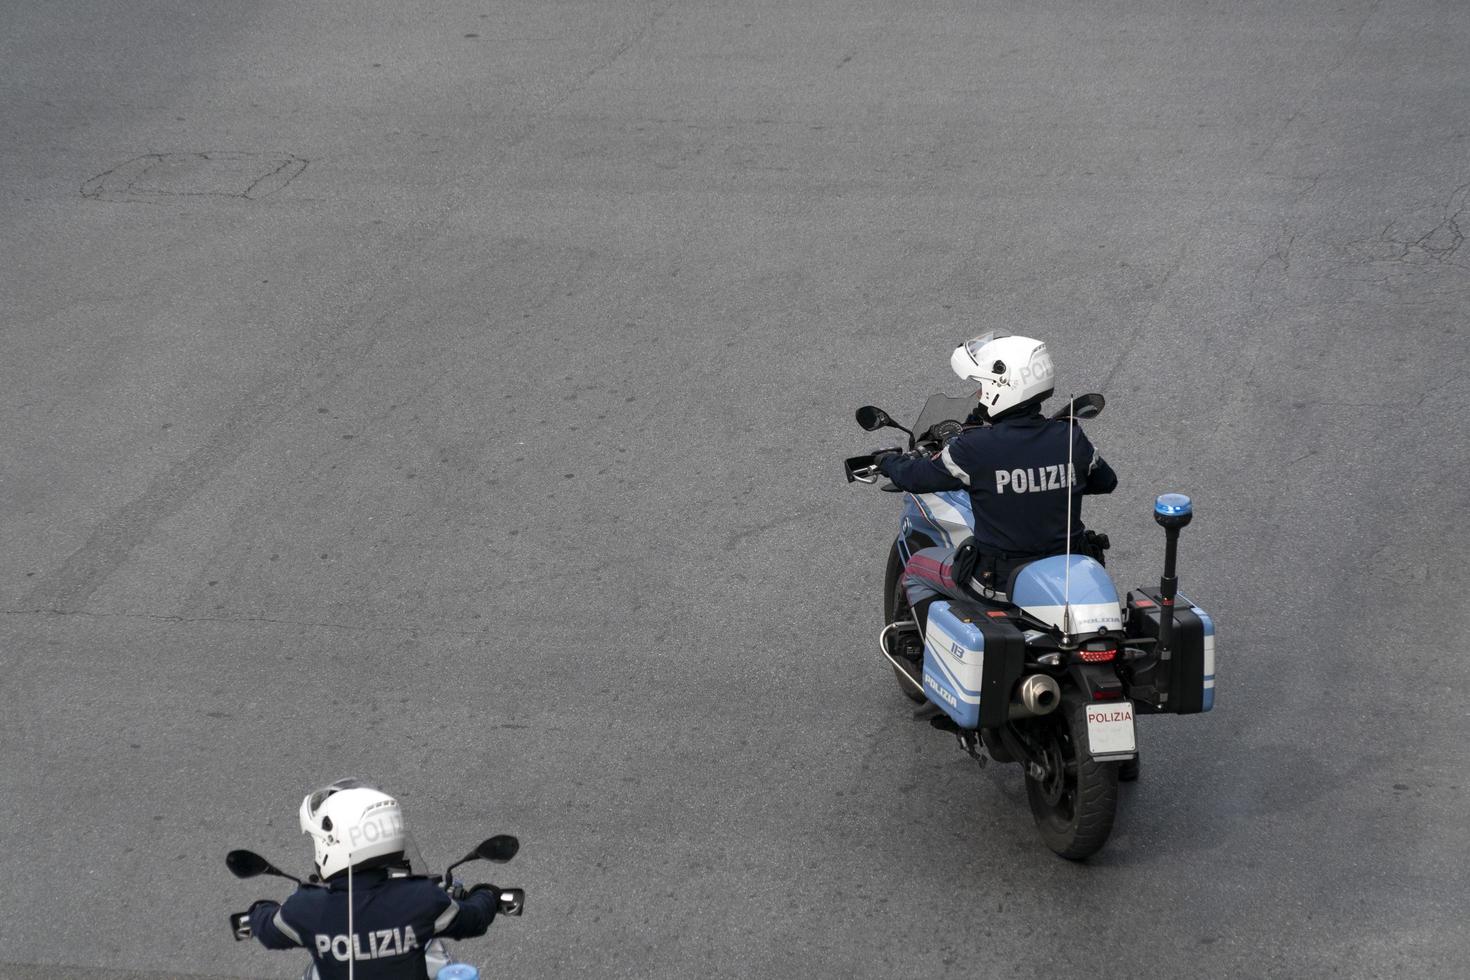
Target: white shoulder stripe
x=955, y=470
x=280, y=923
x=446, y=917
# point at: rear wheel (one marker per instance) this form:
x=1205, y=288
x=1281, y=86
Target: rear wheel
x=1074, y=799
x=907, y=646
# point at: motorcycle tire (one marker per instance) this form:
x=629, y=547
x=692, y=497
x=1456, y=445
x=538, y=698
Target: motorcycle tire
x=895, y=608
x=1075, y=802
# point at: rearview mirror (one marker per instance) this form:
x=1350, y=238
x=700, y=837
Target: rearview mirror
x=247, y=864
x=500, y=848
x=871, y=418
x=1088, y=406
x=1083, y=407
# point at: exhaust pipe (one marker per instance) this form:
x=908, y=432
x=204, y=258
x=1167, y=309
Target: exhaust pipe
x=1036, y=695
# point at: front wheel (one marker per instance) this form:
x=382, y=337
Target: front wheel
x=1073, y=798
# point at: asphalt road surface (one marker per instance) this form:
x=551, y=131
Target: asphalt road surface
x=455, y=394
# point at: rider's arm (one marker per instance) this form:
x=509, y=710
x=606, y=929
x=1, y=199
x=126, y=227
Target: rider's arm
x=1100, y=477
x=468, y=917
x=268, y=924
x=921, y=474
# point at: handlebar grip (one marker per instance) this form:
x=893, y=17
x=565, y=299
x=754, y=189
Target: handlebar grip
x=240, y=925
x=860, y=468
x=511, y=901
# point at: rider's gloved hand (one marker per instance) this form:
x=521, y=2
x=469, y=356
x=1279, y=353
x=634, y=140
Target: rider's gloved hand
x=883, y=457
x=486, y=897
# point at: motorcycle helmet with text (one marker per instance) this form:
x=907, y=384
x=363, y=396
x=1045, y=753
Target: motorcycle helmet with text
x=353, y=824
x=1010, y=371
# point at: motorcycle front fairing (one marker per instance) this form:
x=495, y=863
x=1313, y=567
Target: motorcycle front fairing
x=946, y=518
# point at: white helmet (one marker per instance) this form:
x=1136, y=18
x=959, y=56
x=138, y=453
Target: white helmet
x=1010, y=370
x=351, y=822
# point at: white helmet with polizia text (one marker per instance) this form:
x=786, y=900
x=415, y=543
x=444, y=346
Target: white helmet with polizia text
x=353, y=824
x=1010, y=370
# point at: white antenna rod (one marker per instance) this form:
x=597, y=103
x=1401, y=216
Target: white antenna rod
x=351, y=933
x=1071, y=477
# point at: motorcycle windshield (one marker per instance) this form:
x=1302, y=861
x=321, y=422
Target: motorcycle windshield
x=415, y=860
x=942, y=408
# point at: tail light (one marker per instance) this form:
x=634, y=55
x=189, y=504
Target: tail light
x=1098, y=652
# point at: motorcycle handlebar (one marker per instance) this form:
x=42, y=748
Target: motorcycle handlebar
x=508, y=901
x=511, y=901
x=862, y=469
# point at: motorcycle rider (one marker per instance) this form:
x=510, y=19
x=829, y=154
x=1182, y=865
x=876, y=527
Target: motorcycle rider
x=359, y=840
x=1016, y=464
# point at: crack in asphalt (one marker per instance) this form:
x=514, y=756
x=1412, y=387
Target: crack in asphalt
x=1301, y=105
x=124, y=183
x=243, y=620
x=1440, y=243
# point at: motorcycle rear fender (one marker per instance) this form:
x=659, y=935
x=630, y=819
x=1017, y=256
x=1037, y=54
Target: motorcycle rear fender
x=1092, y=682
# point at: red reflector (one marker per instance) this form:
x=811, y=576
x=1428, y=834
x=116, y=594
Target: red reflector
x=1106, y=695
x=1143, y=604
x=1097, y=656
x=997, y=614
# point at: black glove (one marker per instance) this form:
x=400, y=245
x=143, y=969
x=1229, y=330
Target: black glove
x=483, y=888
x=882, y=457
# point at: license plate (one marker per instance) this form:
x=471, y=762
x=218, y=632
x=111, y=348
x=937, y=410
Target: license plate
x=1110, y=728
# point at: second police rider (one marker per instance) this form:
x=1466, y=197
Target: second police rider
x=360, y=843
x=1016, y=464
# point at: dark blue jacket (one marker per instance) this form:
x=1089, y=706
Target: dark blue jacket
x=393, y=919
x=1016, y=472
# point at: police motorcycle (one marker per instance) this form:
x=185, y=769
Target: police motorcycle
x=1051, y=672
x=439, y=964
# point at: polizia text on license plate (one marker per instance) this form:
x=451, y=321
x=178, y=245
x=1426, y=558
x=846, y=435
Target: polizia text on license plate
x=1110, y=729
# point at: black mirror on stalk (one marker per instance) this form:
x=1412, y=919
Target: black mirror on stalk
x=499, y=849
x=872, y=419
x=1088, y=406
x=1082, y=407
x=248, y=864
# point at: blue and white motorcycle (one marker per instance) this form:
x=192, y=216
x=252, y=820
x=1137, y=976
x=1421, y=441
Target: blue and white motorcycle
x=1051, y=671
